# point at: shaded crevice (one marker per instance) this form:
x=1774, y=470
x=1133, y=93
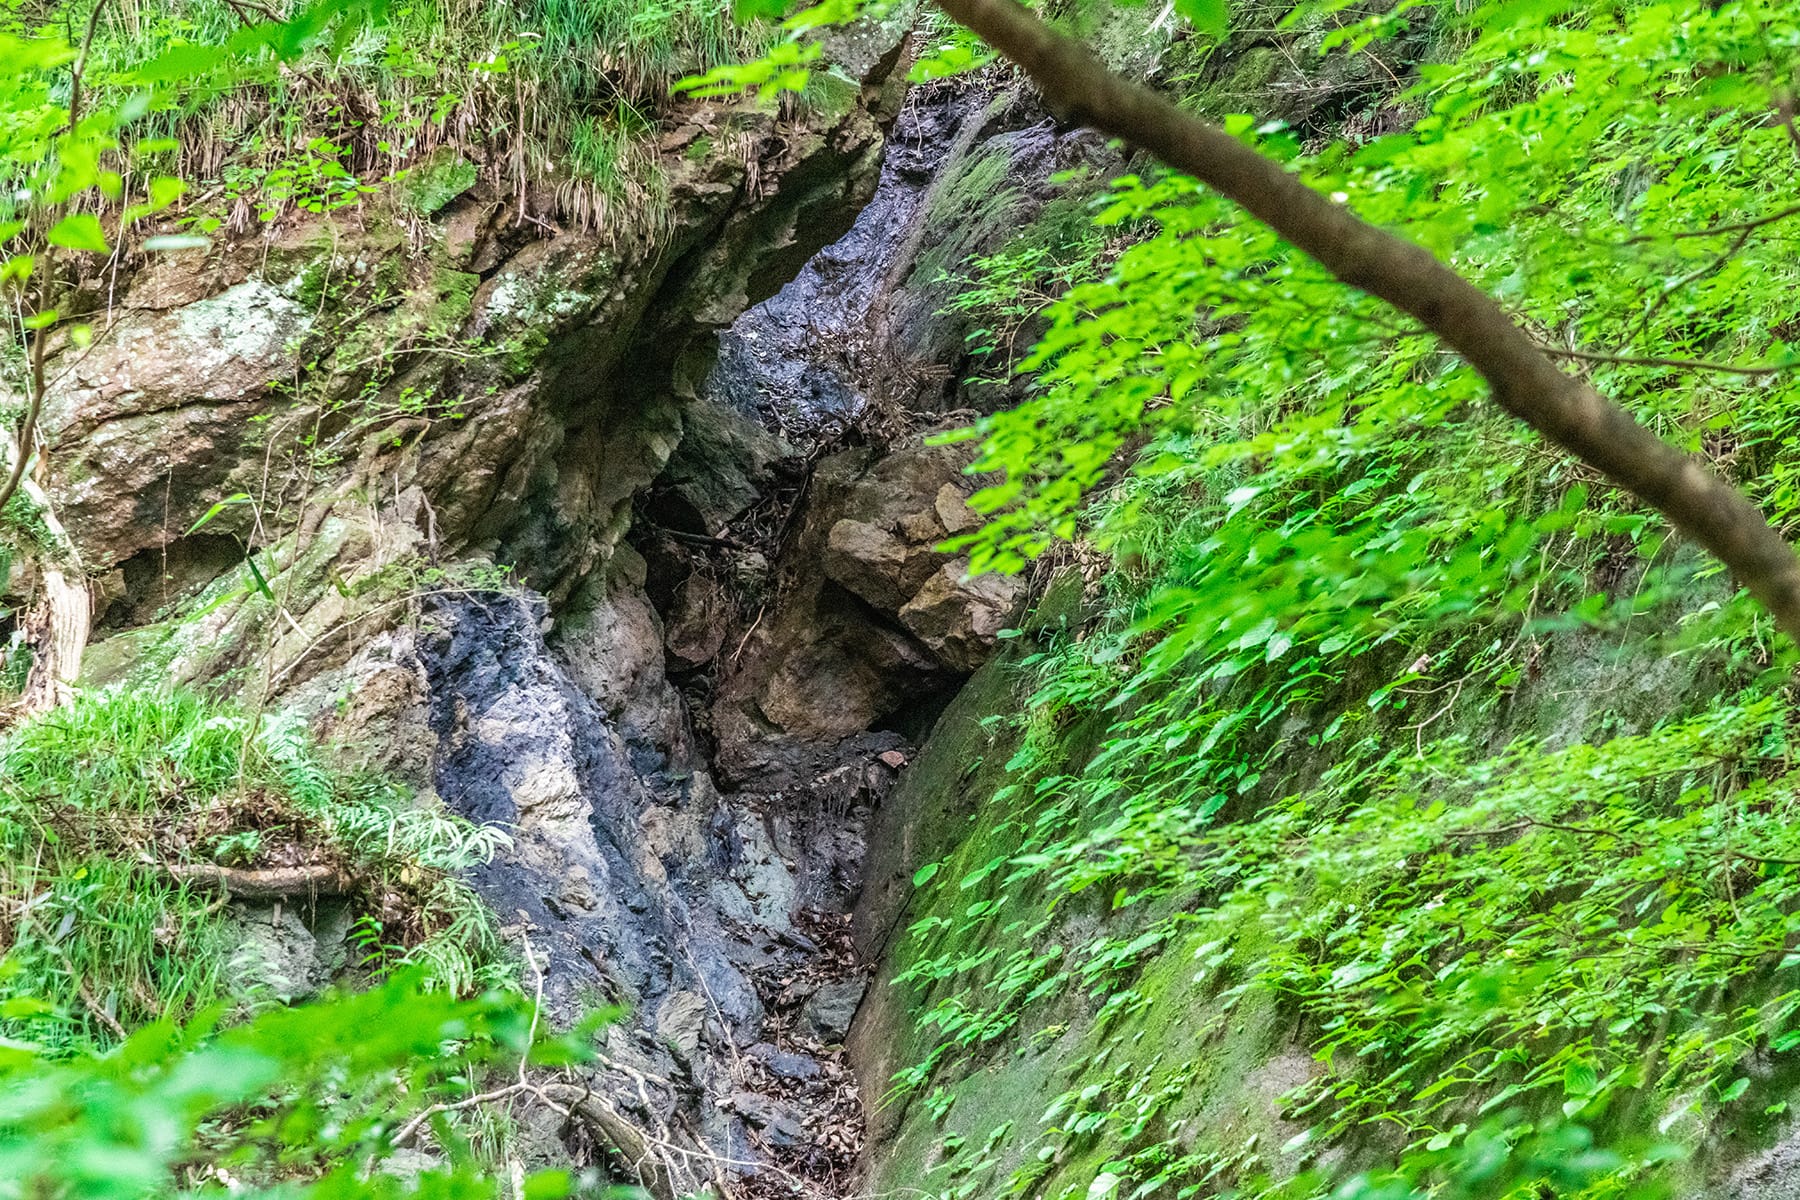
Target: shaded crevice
x=691, y=745
x=721, y=918
x=154, y=582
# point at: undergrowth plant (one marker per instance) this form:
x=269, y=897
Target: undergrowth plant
x=521, y=92
x=303, y=1102
x=104, y=801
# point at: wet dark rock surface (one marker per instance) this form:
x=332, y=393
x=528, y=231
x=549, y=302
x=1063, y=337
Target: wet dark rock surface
x=800, y=360
x=718, y=919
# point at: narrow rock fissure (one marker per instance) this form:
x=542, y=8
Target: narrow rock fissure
x=688, y=751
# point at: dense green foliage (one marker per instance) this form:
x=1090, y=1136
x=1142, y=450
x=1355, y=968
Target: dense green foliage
x=557, y=90
x=1278, y=765
x=559, y=95
x=298, y=1103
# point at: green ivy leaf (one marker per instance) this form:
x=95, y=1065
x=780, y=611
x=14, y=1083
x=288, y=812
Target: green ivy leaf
x=549, y=1185
x=1580, y=1079
x=178, y=64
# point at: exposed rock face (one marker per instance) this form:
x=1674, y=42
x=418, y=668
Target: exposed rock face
x=287, y=952
x=704, y=878
x=896, y=567
x=1772, y=1175
x=828, y=1014
x=612, y=641
x=958, y=618
x=186, y=380
x=864, y=320
x=520, y=746
x=636, y=881
x=528, y=386
x=875, y=616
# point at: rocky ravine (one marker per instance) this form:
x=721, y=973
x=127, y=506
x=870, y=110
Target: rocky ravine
x=725, y=625
x=691, y=747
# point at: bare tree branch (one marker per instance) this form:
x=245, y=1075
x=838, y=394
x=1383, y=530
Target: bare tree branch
x=28, y=423
x=1700, y=272
x=1754, y=223
x=269, y=883
x=1525, y=381
x=79, y=70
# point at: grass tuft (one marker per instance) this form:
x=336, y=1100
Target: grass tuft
x=100, y=798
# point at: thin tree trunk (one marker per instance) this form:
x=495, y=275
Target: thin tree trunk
x=58, y=625
x=1525, y=382
x=57, y=628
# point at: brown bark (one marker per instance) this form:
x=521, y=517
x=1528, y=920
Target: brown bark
x=56, y=629
x=28, y=423
x=1525, y=381
x=59, y=622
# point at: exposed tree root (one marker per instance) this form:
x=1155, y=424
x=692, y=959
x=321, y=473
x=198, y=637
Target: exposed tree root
x=274, y=883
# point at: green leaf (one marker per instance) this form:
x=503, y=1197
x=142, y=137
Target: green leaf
x=262, y=585
x=548, y=1185
x=80, y=231
x=1211, y=17
x=959, y=56
x=926, y=873
x=179, y=64
x=18, y=1008
x=215, y=510
x=163, y=191
x=22, y=56
x=1580, y=1079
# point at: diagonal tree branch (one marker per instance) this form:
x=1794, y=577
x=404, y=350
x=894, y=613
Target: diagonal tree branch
x=1525, y=381
x=1686, y=364
x=1755, y=223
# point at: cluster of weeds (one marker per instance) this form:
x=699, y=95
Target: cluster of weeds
x=103, y=802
